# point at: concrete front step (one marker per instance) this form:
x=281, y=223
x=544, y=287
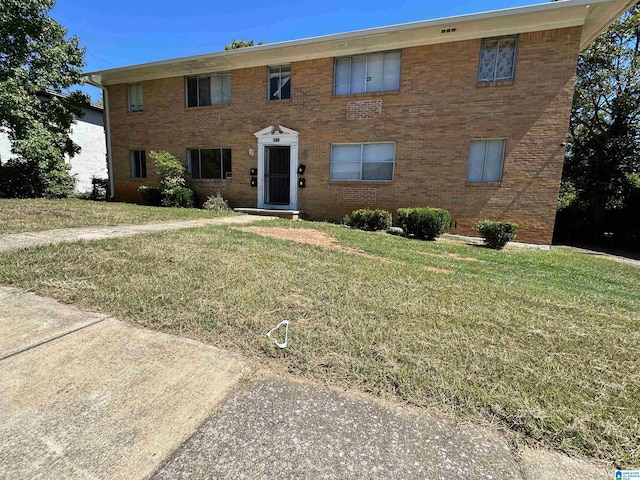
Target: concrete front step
x=289, y=214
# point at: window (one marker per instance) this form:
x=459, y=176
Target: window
x=378, y=72
x=138, y=164
x=363, y=161
x=486, y=158
x=497, y=59
x=210, y=162
x=209, y=90
x=280, y=82
x=135, y=98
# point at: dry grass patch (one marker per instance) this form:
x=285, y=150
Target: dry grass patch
x=315, y=238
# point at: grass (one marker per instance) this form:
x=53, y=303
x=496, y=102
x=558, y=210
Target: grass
x=545, y=343
x=28, y=215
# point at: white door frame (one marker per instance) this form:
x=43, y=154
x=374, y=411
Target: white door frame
x=278, y=136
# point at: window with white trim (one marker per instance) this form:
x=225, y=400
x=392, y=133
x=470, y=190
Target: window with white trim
x=138, y=164
x=497, y=59
x=204, y=90
x=209, y=162
x=375, y=72
x=373, y=162
x=280, y=82
x=486, y=159
x=135, y=98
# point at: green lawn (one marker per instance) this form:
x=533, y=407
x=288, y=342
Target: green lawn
x=544, y=343
x=28, y=215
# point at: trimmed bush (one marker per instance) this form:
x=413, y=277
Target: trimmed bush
x=426, y=223
x=216, y=203
x=371, y=220
x=497, y=234
x=182, y=197
x=150, y=195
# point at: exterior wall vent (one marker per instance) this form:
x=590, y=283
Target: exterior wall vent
x=448, y=30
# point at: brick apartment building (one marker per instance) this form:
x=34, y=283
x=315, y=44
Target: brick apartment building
x=468, y=113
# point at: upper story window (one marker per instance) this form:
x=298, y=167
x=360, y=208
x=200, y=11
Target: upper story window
x=138, y=164
x=280, y=82
x=497, y=59
x=377, y=72
x=135, y=98
x=363, y=161
x=214, y=89
x=209, y=162
x=486, y=158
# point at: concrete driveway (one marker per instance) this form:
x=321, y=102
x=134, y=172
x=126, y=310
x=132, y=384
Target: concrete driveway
x=83, y=396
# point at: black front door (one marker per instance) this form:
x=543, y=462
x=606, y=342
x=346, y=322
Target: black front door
x=277, y=170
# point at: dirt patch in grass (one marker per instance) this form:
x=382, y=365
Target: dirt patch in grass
x=454, y=256
x=308, y=237
x=437, y=270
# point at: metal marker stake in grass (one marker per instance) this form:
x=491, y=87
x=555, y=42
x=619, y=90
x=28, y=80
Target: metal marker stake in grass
x=284, y=323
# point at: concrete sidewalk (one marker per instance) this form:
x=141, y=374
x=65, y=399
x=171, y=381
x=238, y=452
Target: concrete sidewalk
x=83, y=396
x=16, y=241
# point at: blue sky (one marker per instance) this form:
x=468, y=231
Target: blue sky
x=118, y=33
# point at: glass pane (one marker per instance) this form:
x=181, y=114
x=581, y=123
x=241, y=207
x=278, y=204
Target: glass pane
x=493, y=161
x=226, y=88
x=226, y=161
x=378, y=152
x=476, y=161
x=134, y=165
x=487, y=65
x=210, y=163
x=216, y=90
x=143, y=164
x=194, y=163
x=391, y=75
x=204, y=91
x=377, y=171
x=345, y=171
x=345, y=153
x=274, y=83
x=342, y=76
x=285, y=85
x=358, y=74
x=506, y=57
x=374, y=72
x=192, y=92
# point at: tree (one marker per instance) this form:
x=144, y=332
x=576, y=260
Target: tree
x=602, y=163
x=35, y=57
x=240, y=44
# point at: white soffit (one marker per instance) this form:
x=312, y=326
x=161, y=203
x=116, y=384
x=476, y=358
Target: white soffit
x=595, y=15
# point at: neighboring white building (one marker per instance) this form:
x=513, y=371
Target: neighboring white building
x=88, y=133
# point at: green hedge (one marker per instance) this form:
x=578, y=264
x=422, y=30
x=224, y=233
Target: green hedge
x=372, y=220
x=426, y=223
x=497, y=234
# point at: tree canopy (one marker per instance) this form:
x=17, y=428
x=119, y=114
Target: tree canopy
x=35, y=57
x=242, y=43
x=601, y=177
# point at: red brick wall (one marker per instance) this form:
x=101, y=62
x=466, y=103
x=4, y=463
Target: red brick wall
x=434, y=116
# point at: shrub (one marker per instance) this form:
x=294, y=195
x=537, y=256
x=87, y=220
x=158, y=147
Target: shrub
x=426, y=223
x=182, y=197
x=371, y=220
x=497, y=234
x=50, y=178
x=216, y=203
x=151, y=195
x=99, y=188
x=173, y=190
